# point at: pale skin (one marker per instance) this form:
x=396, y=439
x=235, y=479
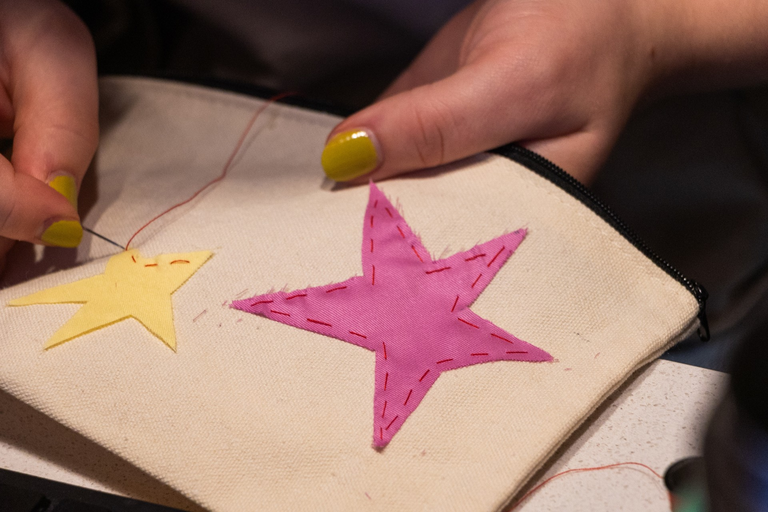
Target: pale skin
x=559, y=76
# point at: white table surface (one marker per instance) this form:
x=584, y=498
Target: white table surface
x=656, y=419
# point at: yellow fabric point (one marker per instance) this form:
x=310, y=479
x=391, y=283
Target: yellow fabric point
x=130, y=287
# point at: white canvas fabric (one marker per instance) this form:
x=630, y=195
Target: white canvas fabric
x=252, y=414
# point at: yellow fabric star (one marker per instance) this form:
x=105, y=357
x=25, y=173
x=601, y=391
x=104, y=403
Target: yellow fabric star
x=131, y=286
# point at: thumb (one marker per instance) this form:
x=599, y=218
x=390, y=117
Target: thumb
x=30, y=210
x=52, y=86
x=423, y=127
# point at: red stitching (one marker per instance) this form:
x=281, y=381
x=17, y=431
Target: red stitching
x=501, y=338
x=408, y=397
x=417, y=253
x=334, y=289
x=479, y=354
x=385, y=350
x=444, y=361
x=279, y=312
x=296, y=296
x=381, y=433
x=389, y=212
x=386, y=379
x=476, y=280
x=454, y=303
x=475, y=257
x=391, y=422
x=497, y=255
x=373, y=275
x=133, y=258
x=371, y=244
x=385, y=409
x=371, y=220
x=469, y=324
x=516, y=352
x=401, y=232
x=358, y=334
x=425, y=374
x=437, y=270
x=319, y=322
x=179, y=261
x=151, y=265
x=376, y=203
x=198, y=316
x=262, y=302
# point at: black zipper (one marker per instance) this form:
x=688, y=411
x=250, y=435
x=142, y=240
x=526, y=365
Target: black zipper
x=519, y=154
x=571, y=185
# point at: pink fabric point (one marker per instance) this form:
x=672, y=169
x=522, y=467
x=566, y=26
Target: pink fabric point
x=415, y=318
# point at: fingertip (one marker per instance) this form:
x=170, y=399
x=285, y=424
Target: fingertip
x=350, y=154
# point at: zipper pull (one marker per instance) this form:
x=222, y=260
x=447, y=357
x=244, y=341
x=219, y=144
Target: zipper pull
x=701, y=295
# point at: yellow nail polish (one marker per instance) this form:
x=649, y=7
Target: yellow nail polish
x=65, y=185
x=349, y=154
x=63, y=233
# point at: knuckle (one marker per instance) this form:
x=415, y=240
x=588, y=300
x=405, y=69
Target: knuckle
x=434, y=122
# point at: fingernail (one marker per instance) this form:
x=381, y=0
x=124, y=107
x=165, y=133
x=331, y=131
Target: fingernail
x=350, y=154
x=63, y=233
x=65, y=185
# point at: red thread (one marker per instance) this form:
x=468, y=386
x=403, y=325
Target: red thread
x=499, y=337
x=425, y=374
x=391, y=422
x=334, y=289
x=296, y=296
x=371, y=220
x=376, y=203
x=151, y=265
x=201, y=314
x=319, y=322
x=383, y=411
x=381, y=433
x=373, y=275
x=401, y=232
x=358, y=334
x=444, y=361
x=479, y=354
x=584, y=470
x=371, y=244
x=497, y=255
x=516, y=352
x=179, y=261
x=226, y=165
x=454, y=303
x=389, y=212
x=408, y=397
x=280, y=312
x=417, y=253
x=475, y=257
x=469, y=324
x=476, y=280
x=438, y=270
x=133, y=258
x=262, y=302
x=386, y=379
x=385, y=350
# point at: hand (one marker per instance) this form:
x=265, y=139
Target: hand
x=560, y=77
x=49, y=105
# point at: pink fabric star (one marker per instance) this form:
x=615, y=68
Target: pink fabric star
x=412, y=311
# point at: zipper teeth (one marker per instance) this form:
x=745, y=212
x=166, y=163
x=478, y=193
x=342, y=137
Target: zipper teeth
x=695, y=288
